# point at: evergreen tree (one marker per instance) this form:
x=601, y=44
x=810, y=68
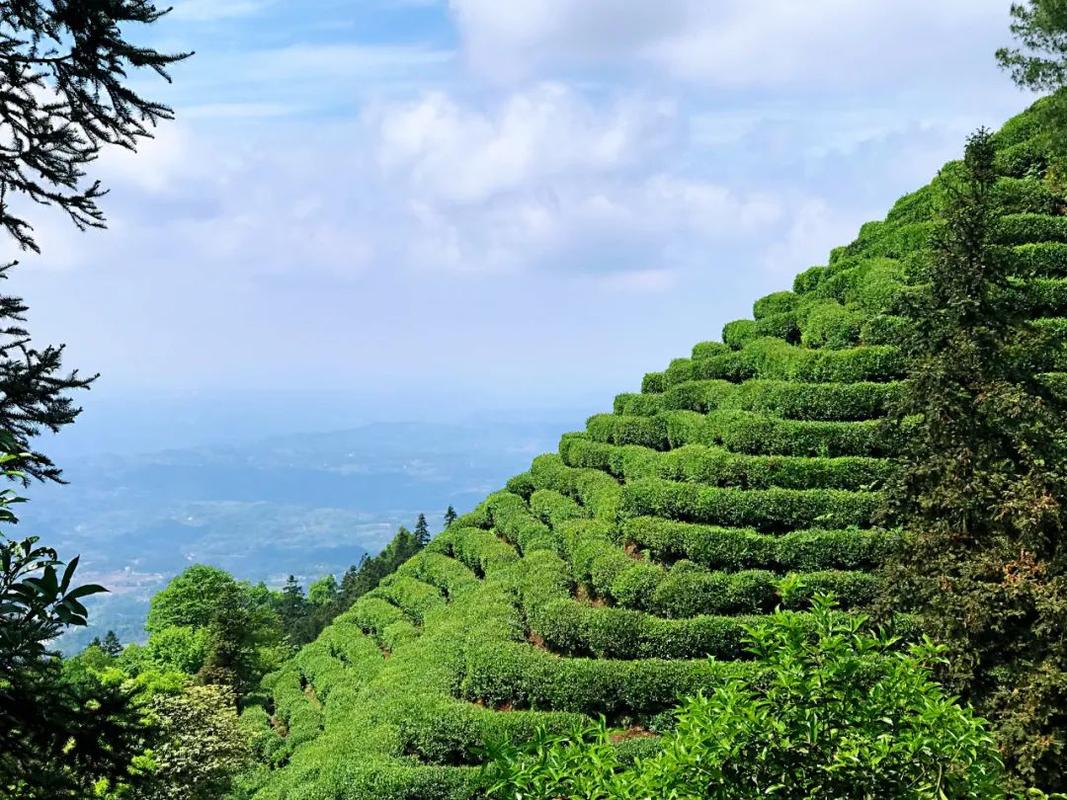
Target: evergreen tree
x=422, y=531
x=294, y=612
x=111, y=644
x=1040, y=64
x=34, y=389
x=450, y=516
x=64, y=78
x=64, y=70
x=982, y=483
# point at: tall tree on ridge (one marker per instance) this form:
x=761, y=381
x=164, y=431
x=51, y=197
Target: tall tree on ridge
x=983, y=483
x=450, y=516
x=1040, y=27
x=422, y=531
x=111, y=644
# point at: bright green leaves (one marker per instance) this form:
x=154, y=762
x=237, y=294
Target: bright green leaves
x=830, y=710
x=36, y=602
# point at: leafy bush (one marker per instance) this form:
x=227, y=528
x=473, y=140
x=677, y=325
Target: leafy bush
x=829, y=712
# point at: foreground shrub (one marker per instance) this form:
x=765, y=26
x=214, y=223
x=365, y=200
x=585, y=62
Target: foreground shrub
x=832, y=712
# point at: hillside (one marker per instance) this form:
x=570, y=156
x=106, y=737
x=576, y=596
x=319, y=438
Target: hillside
x=743, y=477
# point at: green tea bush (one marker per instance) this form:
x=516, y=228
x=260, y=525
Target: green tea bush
x=809, y=280
x=513, y=520
x=689, y=590
x=410, y=595
x=831, y=325
x=1021, y=229
x=883, y=329
x=698, y=395
x=479, y=549
x=597, y=492
x=620, y=429
x=829, y=711
x=772, y=304
x=813, y=401
x=1040, y=258
x=917, y=206
x=640, y=405
x=1044, y=296
x=1026, y=195
x=779, y=360
x=653, y=382
x=379, y=618
x=743, y=548
x=554, y=508
x=737, y=334
x=754, y=434
x=521, y=485
x=708, y=349
x=575, y=629
x=764, y=509
x=524, y=676
x=449, y=576
x=720, y=467
x=679, y=370
x=780, y=326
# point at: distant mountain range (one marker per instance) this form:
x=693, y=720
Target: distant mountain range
x=301, y=504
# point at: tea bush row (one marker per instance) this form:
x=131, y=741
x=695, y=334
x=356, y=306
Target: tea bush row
x=717, y=466
x=764, y=509
x=745, y=432
x=791, y=400
x=523, y=676
x=716, y=547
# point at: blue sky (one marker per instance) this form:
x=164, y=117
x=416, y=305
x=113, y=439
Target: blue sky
x=413, y=209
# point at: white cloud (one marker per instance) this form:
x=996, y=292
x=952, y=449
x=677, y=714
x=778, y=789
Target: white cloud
x=549, y=178
x=734, y=43
x=546, y=133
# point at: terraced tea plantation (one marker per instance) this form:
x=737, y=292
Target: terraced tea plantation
x=616, y=574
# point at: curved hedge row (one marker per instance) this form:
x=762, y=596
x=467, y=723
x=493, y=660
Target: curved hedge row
x=717, y=466
x=744, y=548
x=745, y=432
x=775, y=359
x=763, y=509
x=789, y=399
x=522, y=676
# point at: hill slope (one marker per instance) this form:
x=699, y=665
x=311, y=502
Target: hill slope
x=743, y=477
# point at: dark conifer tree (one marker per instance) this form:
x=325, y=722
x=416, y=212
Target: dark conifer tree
x=111, y=644
x=422, y=531
x=450, y=516
x=64, y=79
x=291, y=603
x=982, y=487
x=64, y=69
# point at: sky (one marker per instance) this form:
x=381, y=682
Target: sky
x=374, y=210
